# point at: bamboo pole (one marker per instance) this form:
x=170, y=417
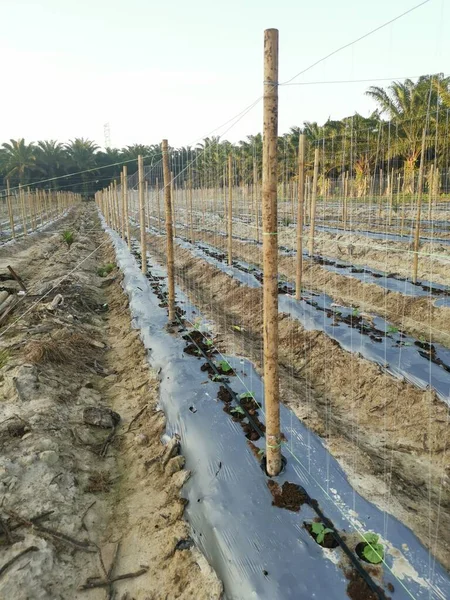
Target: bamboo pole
x=169, y=230
x=142, y=213
x=270, y=254
x=419, y=207
x=122, y=194
x=312, y=216
x=10, y=209
x=391, y=196
x=159, y=206
x=430, y=190
x=301, y=200
x=191, y=216
x=344, y=200
x=127, y=210
x=22, y=204
x=230, y=210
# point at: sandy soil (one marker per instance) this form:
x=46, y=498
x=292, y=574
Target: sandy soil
x=394, y=454
x=116, y=508
x=417, y=316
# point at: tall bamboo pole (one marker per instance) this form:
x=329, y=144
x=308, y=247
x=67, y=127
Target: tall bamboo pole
x=301, y=200
x=270, y=253
x=312, y=216
x=22, y=203
x=391, y=196
x=159, y=206
x=142, y=213
x=10, y=209
x=430, y=190
x=191, y=216
x=230, y=210
x=169, y=230
x=419, y=208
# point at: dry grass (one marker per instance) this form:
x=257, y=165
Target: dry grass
x=62, y=348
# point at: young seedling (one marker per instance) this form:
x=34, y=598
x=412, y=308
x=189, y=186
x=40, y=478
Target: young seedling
x=224, y=366
x=247, y=395
x=355, y=312
x=68, y=237
x=392, y=329
x=209, y=342
x=236, y=328
x=320, y=531
x=217, y=378
x=103, y=271
x=237, y=410
x=373, y=551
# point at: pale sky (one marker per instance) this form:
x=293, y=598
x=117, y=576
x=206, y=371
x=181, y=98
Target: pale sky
x=179, y=69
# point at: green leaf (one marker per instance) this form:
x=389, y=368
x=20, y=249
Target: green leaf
x=236, y=328
x=370, y=538
x=373, y=553
x=317, y=527
x=247, y=395
x=238, y=410
x=224, y=366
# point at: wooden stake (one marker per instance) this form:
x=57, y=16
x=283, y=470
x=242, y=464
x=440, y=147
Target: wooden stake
x=312, y=216
x=419, y=208
x=230, y=210
x=159, y=207
x=301, y=200
x=10, y=209
x=430, y=190
x=270, y=254
x=142, y=213
x=391, y=196
x=169, y=230
x=191, y=216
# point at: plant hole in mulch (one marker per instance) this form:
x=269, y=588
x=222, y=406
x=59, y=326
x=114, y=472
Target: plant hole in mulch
x=224, y=395
x=357, y=588
x=329, y=540
x=289, y=495
x=360, y=552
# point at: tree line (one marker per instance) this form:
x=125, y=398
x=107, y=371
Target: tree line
x=389, y=138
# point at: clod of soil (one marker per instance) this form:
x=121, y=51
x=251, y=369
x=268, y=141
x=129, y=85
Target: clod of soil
x=358, y=589
x=100, y=416
x=289, y=495
x=224, y=395
x=329, y=540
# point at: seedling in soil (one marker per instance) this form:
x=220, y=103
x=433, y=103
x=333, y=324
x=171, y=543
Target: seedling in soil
x=392, y=329
x=209, y=342
x=238, y=410
x=68, y=237
x=246, y=395
x=372, y=550
x=236, y=328
x=224, y=366
x=320, y=531
x=355, y=312
x=217, y=378
x=103, y=271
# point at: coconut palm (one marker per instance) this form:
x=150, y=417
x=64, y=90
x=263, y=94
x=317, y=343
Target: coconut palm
x=408, y=106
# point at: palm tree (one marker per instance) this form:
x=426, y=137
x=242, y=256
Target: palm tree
x=51, y=158
x=82, y=155
x=408, y=106
x=18, y=159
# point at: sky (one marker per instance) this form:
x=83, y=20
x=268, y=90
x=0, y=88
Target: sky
x=179, y=69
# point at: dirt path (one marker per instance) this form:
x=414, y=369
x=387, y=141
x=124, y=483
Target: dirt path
x=107, y=495
x=390, y=437
x=418, y=316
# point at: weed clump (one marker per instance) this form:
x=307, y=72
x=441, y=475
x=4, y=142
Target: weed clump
x=68, y=237
x=105, y=270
